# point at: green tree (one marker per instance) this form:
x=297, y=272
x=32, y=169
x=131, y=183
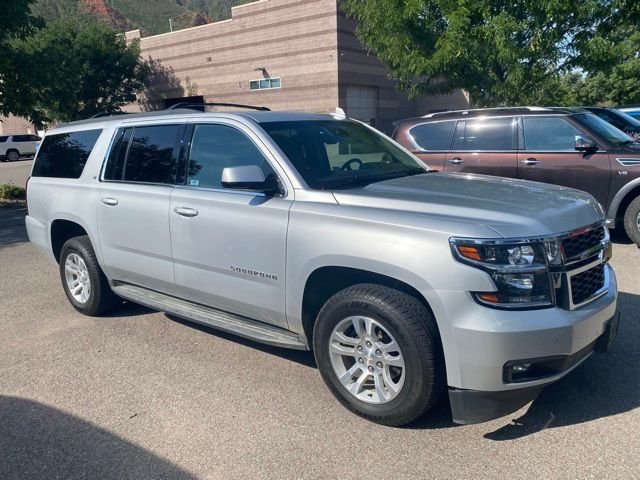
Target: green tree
x=16, y=21
x=70, y=70
x=610, y=54
x=501, y=52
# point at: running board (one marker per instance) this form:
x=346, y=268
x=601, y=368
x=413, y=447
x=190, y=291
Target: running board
x=227, y=322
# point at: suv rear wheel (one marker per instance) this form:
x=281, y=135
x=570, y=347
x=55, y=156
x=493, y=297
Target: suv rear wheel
x=84, y=283
x=378, y=350
x=13, y=155
x=632, y=221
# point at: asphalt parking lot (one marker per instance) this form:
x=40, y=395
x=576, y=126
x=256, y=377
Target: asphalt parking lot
x=140, y=394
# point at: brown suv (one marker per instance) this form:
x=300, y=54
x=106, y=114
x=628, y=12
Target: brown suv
x=564, y=146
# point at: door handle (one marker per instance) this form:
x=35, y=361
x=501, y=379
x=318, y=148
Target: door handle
x=112, y=202
x=186, y=212
x=530, y=162
x=456, y=161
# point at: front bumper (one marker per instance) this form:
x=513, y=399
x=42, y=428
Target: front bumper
x=478, y=342
x=473, y=406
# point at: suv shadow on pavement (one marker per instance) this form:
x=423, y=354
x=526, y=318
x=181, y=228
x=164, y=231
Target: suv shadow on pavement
x=12, y=229
x=598, y=388
x=41, y=442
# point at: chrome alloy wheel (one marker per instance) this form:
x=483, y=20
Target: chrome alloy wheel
x=638, y=221
x=77, y=276
x=13, y=156
x=367, y=359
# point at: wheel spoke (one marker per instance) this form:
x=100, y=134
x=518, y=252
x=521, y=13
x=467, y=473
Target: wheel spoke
x=356, y=387
x=357, y=326
x=388, y=381
x=342, y=350
x=342, y=338
x=379, y=384
x=348, y=375
x=389, y=347
x=369, y=327
x=395, y=361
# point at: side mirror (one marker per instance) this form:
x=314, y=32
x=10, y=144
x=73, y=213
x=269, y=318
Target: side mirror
x=584, y=143
x=249, y=177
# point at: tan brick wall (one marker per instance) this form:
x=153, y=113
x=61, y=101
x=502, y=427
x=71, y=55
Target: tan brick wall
x=309, y=44
x=293, y=40
x=13, y=124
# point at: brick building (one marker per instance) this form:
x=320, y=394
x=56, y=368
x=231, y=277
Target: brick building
x=284, y=54
x=13, y=124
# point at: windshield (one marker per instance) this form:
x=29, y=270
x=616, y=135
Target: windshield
x=604, y=129
x=340, y=153
x=627, y=119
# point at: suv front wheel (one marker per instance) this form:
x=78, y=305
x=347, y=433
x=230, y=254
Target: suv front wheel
x=632, y=221
x=86, y=286
x=378, y=350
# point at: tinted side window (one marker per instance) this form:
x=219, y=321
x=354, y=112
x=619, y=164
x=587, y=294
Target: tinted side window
x=433, y=136
x=488, y=134
x=549, y=133
x=22, y=138
x=64, y=155
x=117, y=154
x=3, y=139
x=214, y=147
x=151, y=154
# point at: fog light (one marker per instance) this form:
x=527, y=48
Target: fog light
x=521, y=368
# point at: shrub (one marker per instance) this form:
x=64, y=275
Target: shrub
x=9, y=191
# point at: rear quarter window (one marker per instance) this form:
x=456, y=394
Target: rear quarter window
x=433, y=136
x=64, y=155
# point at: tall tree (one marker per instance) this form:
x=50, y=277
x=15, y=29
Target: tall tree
x=502, y=52
x=69, y=70
x=16, y=21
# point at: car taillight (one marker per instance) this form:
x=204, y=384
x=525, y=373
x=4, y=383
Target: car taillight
x=26, y=190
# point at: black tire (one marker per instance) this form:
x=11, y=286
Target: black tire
x=413, y=327
x=101, y=298
x=632, y=221
x=12, y=153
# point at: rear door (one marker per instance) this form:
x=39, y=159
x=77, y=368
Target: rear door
x=486, y=145
x=431, y=141
x=26, y=144
x=133, y=207
x=548, y=155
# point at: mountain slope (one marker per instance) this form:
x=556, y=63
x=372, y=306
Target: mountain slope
x=151, y=16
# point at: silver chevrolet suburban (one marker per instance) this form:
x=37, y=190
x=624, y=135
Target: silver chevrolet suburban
x=317, y=232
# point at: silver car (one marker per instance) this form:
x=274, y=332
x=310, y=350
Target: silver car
x=314, y=231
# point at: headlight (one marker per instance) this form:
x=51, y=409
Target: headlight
x=520, y=271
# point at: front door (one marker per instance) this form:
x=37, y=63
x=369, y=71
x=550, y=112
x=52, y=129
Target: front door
x=548, y=155
x=133, y=206
x=484, y=145
x=229, y=245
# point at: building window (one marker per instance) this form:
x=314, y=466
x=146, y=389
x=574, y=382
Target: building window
x=264, y=84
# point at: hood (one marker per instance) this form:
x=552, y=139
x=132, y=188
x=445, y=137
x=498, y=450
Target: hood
x=512, y=208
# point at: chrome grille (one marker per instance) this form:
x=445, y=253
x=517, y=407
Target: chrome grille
x=575, y=245
x=586, y=284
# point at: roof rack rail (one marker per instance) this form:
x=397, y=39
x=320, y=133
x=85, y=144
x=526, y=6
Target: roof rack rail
x=196, y=106
x=107, y=114
x=494, y=109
